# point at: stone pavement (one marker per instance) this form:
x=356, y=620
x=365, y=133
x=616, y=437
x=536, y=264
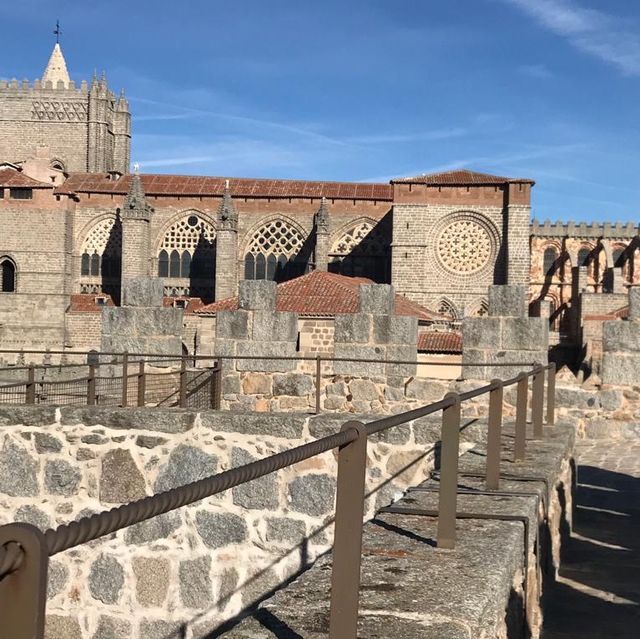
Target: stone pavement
x=597, y=594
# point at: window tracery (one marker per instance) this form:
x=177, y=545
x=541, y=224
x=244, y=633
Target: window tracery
x=7, y=275
x=101, y=257
x=277, y=251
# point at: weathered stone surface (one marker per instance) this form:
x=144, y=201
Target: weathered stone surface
x=337, y=388
x=34, y=516
x=312, y=494
x=93, y=438
x=232, y=325
x=610, y=399
x=634, y=303
x=284, y=425
x=150, y=441
x=17, y=471
x=270, y=326
x=363, y=390
x=262, y=493
x=334, y=402
x=266, y=349
x=426, y=390
x=358, y=351
x=85, y=454
x=143, y=292
x=228, y=585
x=395, y=329
x=481, y=332
x=59, y=627
x=508, y=300
x=529, y=333
x=397, y=435
x=152, y=580
x=393, y=394
x=377, y=299
x=160, y=527
x=121, y=480
x=620, y=368
x=257, y=295
x=27, y=415
x=296, y=384
x=572, y=397
x=195, y=582
x=186, y=464
x=230, y=384
x=155, y=629
x=621, y=335
x=112, y=628
x=352, y=328
x=285, y=530
x=46, y=443
x=220, y=529
x=57, y=576
x=106, y=579
x=153, y=419
x=257, y=384
x=61, y=478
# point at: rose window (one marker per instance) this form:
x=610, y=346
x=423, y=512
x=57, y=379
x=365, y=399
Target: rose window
x=464, y=247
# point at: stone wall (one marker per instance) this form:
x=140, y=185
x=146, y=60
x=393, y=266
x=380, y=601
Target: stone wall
x=186, y=571
x=621, y=345
x=507, y=335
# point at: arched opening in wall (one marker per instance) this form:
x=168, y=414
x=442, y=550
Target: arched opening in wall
x=8, y=283
x=101, y=259
x=58, y=165
x=447, y=307
x=277, y=251
x=549, y=261
x=364, y=250
x=480, y=309
x=187, y=258
x=583, y=256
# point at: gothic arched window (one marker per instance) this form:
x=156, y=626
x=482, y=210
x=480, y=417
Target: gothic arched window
x=100, y=258
x=583, y=256
x=7, y=275
x=446, y=307
x=363, y=250
x=549, y=261
x=277, y=251
x=187, y=255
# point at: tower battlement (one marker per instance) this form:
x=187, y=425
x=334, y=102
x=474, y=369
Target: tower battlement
x=584, y=229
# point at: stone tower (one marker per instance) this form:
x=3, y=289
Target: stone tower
x=321, y=250
x=226, y=247
x=136, y=217
x=86, y=128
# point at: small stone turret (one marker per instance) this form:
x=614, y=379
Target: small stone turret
x=226, y=247
x=321, y=223
x=136, y=217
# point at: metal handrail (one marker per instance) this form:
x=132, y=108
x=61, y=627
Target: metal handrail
x=24, y=550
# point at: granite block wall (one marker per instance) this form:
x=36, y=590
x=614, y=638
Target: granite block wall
x=621, y=345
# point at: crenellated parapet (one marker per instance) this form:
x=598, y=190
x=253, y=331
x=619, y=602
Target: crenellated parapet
x=25, y=87
x=593, y=230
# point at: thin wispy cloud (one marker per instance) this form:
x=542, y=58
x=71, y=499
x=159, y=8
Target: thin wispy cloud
x=395, y=138
x=538, y=71
x=595, y=32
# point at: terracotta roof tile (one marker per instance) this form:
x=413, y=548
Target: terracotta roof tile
x=184, y=185
x=86, y=303
x=12, y=178
x=459, y=177
x=325, y=294
x=440, y=342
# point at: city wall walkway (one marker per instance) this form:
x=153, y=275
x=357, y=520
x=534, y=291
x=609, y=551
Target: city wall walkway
x=597, y=594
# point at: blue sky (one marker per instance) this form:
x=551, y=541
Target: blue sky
x=366, y=90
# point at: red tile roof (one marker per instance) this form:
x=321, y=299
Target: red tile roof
x=440, y=342
x=86, y=303
x=184, y=185
x=325, y=294
x=12, y=178
x=460, y=177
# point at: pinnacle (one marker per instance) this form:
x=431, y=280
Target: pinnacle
x=56, y=68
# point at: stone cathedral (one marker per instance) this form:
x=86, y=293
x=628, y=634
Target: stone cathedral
x=74, y=223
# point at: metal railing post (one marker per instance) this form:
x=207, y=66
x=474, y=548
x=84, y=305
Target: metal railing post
x=125, y=378
x=493, y=436
x=537, y=402
x=142, y=382
x=30, y=390
x=551, y=395
x=347, y=546
x=449, y=473
x=318, y=377
x=91, y=386
x=520, y=445
x=182, y=401
x=23, y=591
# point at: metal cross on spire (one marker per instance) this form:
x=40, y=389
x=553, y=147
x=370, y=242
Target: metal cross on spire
x=57, y=31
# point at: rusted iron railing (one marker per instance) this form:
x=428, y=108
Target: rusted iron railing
x=25, y=550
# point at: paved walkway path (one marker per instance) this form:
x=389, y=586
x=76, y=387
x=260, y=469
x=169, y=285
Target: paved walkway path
x=598, y=592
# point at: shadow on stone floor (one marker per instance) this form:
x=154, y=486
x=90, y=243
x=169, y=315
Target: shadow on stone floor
x=597, y=593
